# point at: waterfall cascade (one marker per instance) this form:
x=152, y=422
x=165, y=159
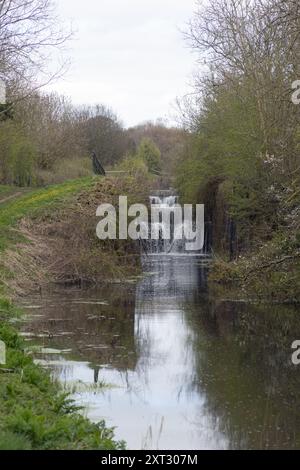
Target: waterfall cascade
x=167, y=201
x=175, y=244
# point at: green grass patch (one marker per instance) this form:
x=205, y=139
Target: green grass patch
x=35, y=413
x=33, y=203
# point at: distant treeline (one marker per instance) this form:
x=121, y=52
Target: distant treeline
x=44, y=138
x=48, y=140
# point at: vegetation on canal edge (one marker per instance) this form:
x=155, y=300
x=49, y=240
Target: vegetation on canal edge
x=272, y=274
x=242, y=160
x=34, y=412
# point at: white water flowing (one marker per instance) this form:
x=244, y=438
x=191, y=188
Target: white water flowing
x=176, y=244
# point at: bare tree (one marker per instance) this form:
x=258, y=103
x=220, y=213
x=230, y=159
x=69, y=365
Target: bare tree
x=29, y=32
x=104, y=134
x=254, y=43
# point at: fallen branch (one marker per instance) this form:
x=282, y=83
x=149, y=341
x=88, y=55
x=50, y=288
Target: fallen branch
x=270, y=264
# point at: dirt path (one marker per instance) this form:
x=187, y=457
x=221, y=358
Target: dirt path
x=12, y=196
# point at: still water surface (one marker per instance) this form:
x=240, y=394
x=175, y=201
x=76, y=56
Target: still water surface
x=184, y=371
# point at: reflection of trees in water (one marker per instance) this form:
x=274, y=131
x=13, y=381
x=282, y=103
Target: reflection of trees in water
x=235, y=356
x=97, y=333
x=173, y=281
x=144, y=344
x=243, y=355
x=61, y=370
x=178, y=278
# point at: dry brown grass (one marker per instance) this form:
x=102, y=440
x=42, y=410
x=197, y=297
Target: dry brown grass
x=62, y=246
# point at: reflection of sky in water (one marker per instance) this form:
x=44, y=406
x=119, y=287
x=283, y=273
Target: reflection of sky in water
x=181, y=376
x=156, y=405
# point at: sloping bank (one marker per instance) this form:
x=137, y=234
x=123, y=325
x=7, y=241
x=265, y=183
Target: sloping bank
x=46, y=236
x=255, y=241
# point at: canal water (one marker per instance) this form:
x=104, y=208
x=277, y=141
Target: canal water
x=180, y=370
x=169, y=366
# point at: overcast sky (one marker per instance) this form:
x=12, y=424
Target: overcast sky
x=128, y=54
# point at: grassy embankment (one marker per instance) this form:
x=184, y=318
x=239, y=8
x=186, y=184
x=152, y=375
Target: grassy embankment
x=34, y=413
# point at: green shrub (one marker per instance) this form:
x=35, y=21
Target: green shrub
x=66, y=169
x=150, y=154
x=17, y=156
x=11, y=441
x=134, y=165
